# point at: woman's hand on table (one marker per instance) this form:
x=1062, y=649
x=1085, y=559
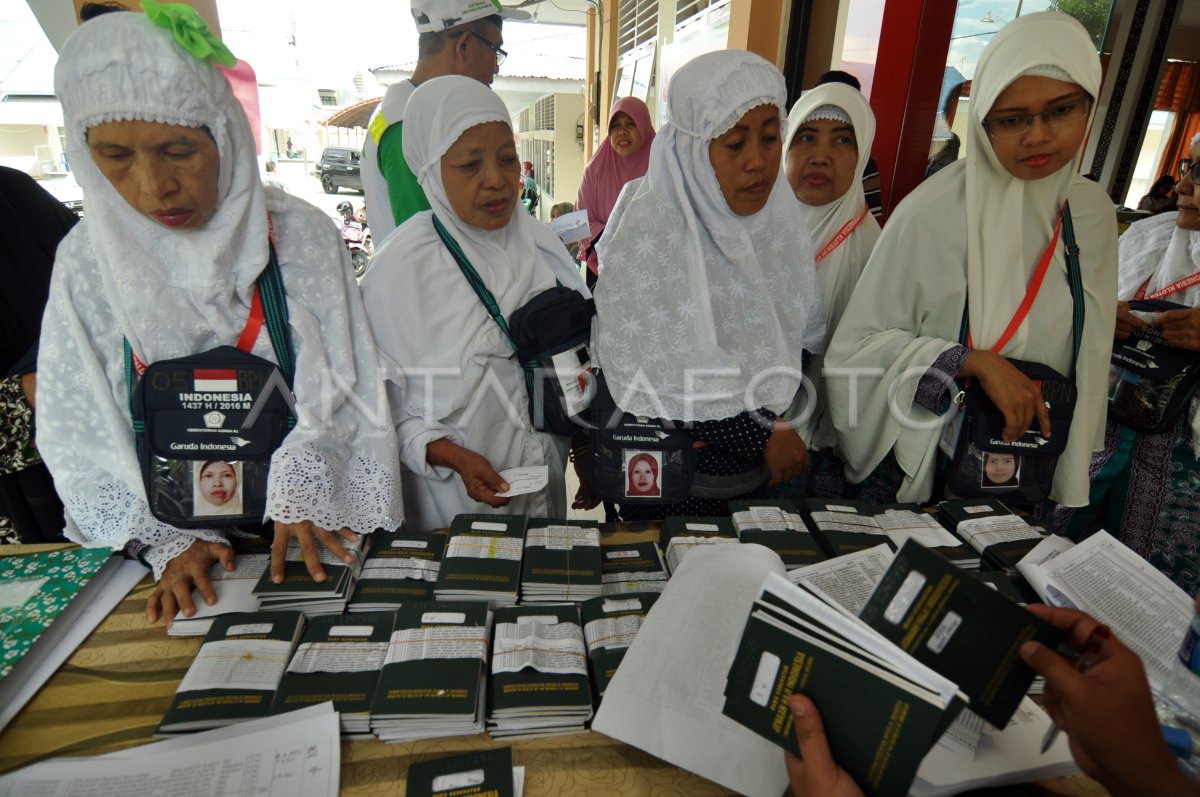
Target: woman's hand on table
x=816, y=774
x=186, y=572
x=1180, y=328
x=1013, y=393
x=308, y=534
x=1127, y=322
x=480, y=479
x=785, y=454
x=1106, y=711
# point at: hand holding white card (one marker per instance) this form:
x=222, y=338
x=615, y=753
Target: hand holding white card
x=525, y=480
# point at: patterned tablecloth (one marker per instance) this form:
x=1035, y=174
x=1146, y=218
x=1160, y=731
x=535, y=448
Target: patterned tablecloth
x=116, y=687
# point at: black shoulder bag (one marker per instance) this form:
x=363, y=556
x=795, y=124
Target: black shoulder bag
x=206, y=425
x=550, y=334
x=1151, y=383
x=982, y=464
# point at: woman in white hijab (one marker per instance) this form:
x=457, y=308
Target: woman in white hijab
x=708, y=288
x=460, y=399
x=829, y=136
x=175, y=238
x=1145, y=484
x=978, y=229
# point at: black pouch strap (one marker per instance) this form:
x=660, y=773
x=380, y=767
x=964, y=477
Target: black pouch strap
x=275, y=316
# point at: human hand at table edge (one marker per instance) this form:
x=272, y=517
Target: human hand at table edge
x=1107, y=711
x=480, y=479
x=815, y=774
x=186, y=572
x=306, y=532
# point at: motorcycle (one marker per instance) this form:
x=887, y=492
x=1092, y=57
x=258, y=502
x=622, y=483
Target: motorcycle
x=357, y=237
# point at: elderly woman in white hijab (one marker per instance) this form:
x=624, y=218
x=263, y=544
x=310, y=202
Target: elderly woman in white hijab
x=829, y=136
x=978, y=230
x=459, y=394
x=1144, y=484
x=168, y=259
x=708, y=288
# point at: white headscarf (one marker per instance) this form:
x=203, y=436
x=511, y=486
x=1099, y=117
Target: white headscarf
x=838, y=271
x=688, y=287
x=974, y=229
x=515, y=262
x=173, y=292
x=1011, y=221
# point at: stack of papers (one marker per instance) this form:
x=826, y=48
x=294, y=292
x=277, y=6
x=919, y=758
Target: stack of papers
x=847, y=526
x=846, y=580
x=400, y=566
x=539, y=683
x=236, y=672
x=609, y=626
x=339, y=658
x=632, y=567
x=432, y=682
x=235, y=593
x=679, y=547
x=482, y=560
x=562, y=561
x=299, y=591
x=1000, y=537
x=776, y=525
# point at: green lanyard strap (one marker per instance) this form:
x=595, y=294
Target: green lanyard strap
x=475, y=281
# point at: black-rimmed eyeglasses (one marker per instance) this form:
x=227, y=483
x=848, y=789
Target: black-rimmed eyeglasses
x=1065, y=112
x=497, y=49
x=1189, y=168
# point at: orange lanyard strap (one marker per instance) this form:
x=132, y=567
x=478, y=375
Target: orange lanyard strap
x=841, y=236
x=1031, y=292
x=1174, y=287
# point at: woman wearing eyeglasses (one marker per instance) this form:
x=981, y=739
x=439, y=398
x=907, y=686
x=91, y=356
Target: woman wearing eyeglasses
x=1147, y=485
x=971, y=237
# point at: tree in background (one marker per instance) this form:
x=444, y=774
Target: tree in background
x=1093, y=14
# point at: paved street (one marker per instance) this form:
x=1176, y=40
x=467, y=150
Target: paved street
x=297, y=175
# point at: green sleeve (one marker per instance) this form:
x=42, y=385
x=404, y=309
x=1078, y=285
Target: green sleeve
x=404, y=191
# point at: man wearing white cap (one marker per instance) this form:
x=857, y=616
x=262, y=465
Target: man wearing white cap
x=457, y=37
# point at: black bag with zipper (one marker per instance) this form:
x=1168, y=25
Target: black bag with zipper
x=1151, y=382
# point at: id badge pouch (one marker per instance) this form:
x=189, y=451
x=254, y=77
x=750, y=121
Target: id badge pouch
x=635, y=459
x=1151, y=383
x=203, y=461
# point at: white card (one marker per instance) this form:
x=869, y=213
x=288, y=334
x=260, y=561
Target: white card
x=571, y=227
x=525, y=480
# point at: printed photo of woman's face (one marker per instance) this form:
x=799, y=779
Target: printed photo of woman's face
x=216, y=490
x=1000, y=470
x=642, y=468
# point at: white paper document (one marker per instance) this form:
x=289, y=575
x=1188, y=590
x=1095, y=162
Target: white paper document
x=1032, y=566
x=848, y=579
x=525, y=480
x=667, y=696
x=571, y=227
x=297, y=754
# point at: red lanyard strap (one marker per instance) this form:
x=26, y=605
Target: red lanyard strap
x=841, y=236
x=1031, y=292
x=1174, y=287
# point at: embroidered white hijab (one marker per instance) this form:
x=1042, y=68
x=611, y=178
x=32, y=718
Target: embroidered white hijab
x=839, y=270
x=173, y=292
x=696, y=304
x=515, y=262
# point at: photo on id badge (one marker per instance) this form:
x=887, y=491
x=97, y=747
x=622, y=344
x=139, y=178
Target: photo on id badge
x=216, y=488
x=998, y=470
x=642, y=469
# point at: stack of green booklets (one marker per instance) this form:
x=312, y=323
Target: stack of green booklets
x=299, y=591
x=778, y=525
x=632, y=567
x=34, y=590
x=338, y=660
x=681, y=534
x=1000, y=537
x=433, y=677
x=236, y=672
x=400, y=566
x=609, y=626
x=562, y=561
x=482, y=560
x=539, y=683
x=847, y=526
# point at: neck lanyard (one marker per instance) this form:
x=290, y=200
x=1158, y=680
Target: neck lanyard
x=1174, y=287
x=1031, y=292
x=254, y=323
x=841, y=236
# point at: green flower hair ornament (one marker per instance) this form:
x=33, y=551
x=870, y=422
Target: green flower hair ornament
x=189, y=30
